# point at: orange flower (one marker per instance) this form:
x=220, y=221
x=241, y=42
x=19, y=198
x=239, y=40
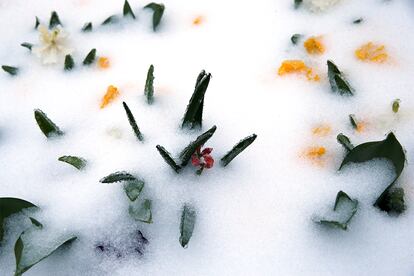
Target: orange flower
x=297, y=66
x=103, y=62
x=372, y=52
x=198, y=20
x=314, y=46
x=321, y=131
x=111, y=94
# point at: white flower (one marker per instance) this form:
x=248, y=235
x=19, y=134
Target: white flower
x=319, y=5
x=53, y=45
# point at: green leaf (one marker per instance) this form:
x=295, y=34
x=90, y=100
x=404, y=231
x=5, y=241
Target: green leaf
x=36, y=223
x=28, y=257
x=27, y=45
x=54, y=20
x=188, y=151
x=37, y=23
x=194, y=112
x=346, y=208
x=132, y=122
x=77, y=162
x=10, y=69
x=46, y=125
x=149, y=85
x=87, y=27
x=168, y=158
x=90, y=57
x=297, y=3
x=396, y=105
x=143, y=212
x=127, y=10
x=69, y=63
x=237, y=149
x=111, y=20
x=295, y=38
x=391, y=149
x=188, y=219
x=344, y=141
x=358, y=21
x=158, y=11
x=133, y=188
x=337, y=80
x=353, y=121
x=117, y=177
x=10, y=206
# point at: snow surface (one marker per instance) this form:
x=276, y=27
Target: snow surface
x=254, y=217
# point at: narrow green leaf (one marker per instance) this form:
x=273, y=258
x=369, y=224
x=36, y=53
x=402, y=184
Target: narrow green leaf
x=344, y=141
x=337, y=80
x=358, y=20
x=46, y=125
x=295, y=38
x=353, y=121
x=37, y=23
x=111, y=20
x=28, y=257
x=27, y=45
x=87, y=27
x=132, y=122
x=346, y=207
x=188, y=151
x=10, y=69
x=391, y=149
x=10, y=206
x=237, y=149
x=297, y=3
x=36, y=223
x=168, y=158
x=54, y=20
x=69, y=63
x=117, y=177
x=77, y=162
x=396, y=105
x=149, y=85
x=90, y=57
x=158, y=11
x=194, y=112
x=133, y=188
x=188, y=219
x=142, y=212
x=127, y=10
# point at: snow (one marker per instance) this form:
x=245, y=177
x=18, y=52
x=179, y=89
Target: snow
x=254, y=217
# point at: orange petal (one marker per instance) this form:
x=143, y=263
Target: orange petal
x=297, y=66
x=111, y=94
x=372, y=52
x=198, y=20
x=103, y=62
x=314, y=46
x=322, y=130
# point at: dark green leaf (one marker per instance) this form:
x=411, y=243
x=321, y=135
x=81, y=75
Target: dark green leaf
x=390, y=149
x=186, y=153
x=337, y=80
x=346, y=208
x=149, y=85
x=26, y=258
x=158, y=11
x=36, y=223
x=127, y=10
x=90, y=58
x=87, y=27
x=295, y=38
x=46, y=125
x=358, y=21
x=396, y=105
x=10, y=69
x=344, y=141
x=10, y=206
x=237, y=149
x=111, y=20
x=117, y=177
x=297, y=3
x=77, y=162
x=27, y=45
x=37, y=23
x=188, y=219
x=133, y=188
x=132, y=122
x=69, y=63
x=394, y=200
x=54, y=20
x=142, y=212
x=353, y=121
x=168, y=159
x=194, y=112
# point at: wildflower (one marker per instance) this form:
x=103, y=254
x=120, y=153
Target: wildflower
x=53, y=45
x=372, y=52
x=111, y=93
x=297, y=66
x=103, y=62
x=202, y=159
x=314, y=46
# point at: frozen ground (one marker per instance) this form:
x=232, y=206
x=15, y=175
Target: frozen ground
x=254, y=216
